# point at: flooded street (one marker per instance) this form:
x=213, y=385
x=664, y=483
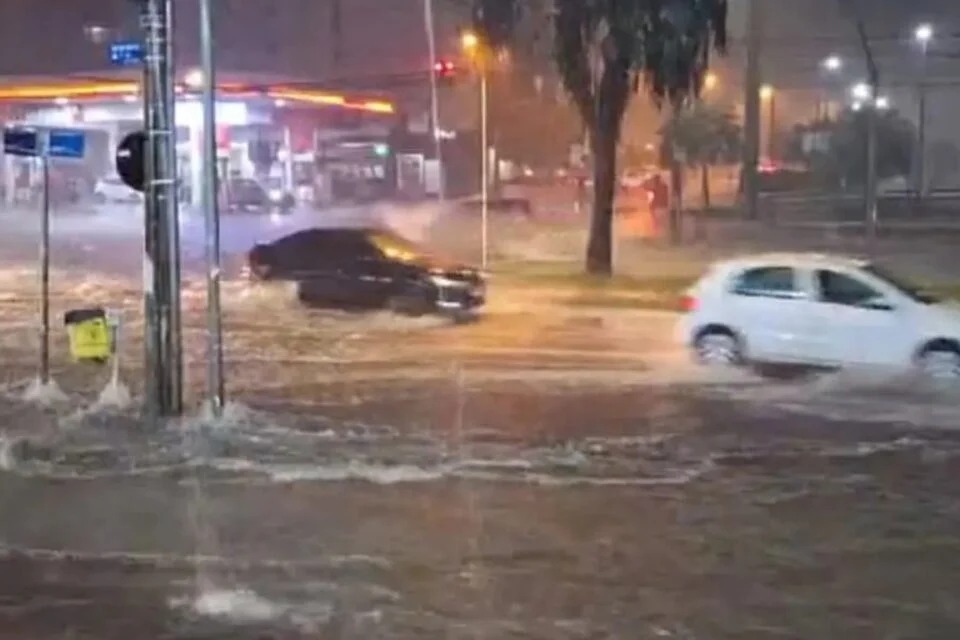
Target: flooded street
x=542, y=473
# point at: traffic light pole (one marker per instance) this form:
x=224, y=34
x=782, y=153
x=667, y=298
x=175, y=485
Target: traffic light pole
x=211, y=215
x=163, y=367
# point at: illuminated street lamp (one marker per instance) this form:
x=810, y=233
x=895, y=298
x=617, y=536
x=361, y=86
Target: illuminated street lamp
x=832, y=64
x=194, y=79
x=769, y=95
x=469, y=41
x=883, y=103
x=473, y=47
x=710, y=81
x=861, y=91
x=923, y=34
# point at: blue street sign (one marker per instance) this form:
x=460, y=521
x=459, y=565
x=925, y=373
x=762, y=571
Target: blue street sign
x=66, y=143
x=21, y=142
x=126, y=54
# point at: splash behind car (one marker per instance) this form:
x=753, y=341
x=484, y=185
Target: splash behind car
x=355, y=269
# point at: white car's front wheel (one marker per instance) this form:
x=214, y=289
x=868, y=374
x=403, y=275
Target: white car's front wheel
x=717, y=348
x=940, y=362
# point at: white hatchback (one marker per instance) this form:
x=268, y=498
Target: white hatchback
x=818, y=310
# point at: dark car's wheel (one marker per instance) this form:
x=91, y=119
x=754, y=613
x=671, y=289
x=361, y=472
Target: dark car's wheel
x=412, y=304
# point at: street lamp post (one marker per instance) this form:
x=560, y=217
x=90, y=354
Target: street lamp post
x=430, y=27
x=473, y=47
x=769, y=95
x=831, y=67
x=211, y=211
x=923, y=34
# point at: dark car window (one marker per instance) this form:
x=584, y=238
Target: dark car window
x=395, y=247
x=838, y=288
x=768, y=282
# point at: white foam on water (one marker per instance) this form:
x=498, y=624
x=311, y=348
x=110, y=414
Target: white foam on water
x=8, y=461
x=338, y=472
x=241, y=606
x=115, y=395
x=887, y=396
x=512, y=471
x=45, y=394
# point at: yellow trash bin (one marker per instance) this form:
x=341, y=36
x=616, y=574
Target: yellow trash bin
x=89, y=334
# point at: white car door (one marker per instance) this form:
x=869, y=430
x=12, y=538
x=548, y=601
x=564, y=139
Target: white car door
x=771, y=307
x=860, y=322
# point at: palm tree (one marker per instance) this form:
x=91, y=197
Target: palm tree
x=701, y=136
x=604, y=51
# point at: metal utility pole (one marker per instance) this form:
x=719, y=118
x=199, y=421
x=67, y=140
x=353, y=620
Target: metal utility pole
x=751, y=147
x=45, y=271
x=430, y=28
x=485, y=161
x=163, y=367
x=870, y=186
x=211, y=214
x=923, y=36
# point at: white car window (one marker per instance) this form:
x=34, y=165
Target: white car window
x=839, y=288
x=768, y=282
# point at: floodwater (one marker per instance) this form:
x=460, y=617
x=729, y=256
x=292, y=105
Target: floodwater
x=534, y=475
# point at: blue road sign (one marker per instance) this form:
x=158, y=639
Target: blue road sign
x=21, y=142
x=66, y=143
x=126, y=54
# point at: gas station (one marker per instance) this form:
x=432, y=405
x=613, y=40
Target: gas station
x=291, y=135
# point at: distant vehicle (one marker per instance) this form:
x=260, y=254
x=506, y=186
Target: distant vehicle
x=112, y=189
x=279, y=197
x=355, y=269
x=248, y=195
x=821, y=311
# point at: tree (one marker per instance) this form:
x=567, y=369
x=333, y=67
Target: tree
x=603, y=51
x=835, y=150
x=704, y=135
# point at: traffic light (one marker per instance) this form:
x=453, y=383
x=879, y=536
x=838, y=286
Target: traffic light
x=445, y=71
x=131, y=160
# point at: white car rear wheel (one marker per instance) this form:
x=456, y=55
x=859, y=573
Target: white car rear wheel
x=940, y=363
x=718, y=349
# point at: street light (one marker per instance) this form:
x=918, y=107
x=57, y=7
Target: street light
x=194, y=79
x=769, y=95
x=469, y=41
x=883, y=103
x=710, y=81
x=923, y=34
x=861, y=91
x=831, y=67
x=473, y=47
x=832, y=64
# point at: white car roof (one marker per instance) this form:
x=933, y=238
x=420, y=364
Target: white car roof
x=798, y=260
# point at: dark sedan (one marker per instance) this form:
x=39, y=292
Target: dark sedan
x=355, y=269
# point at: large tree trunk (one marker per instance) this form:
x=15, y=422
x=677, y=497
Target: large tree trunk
x=705, y=184
x=600, y=242
x=606, y=119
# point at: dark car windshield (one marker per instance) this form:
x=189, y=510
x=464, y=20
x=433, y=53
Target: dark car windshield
x=397, y=247
x=911, y=291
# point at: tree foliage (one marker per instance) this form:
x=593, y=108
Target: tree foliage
x=835, y=150
x=705, y=135
x=604, y=52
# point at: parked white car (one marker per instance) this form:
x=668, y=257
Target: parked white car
x=820, y=311
x=113, y=189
